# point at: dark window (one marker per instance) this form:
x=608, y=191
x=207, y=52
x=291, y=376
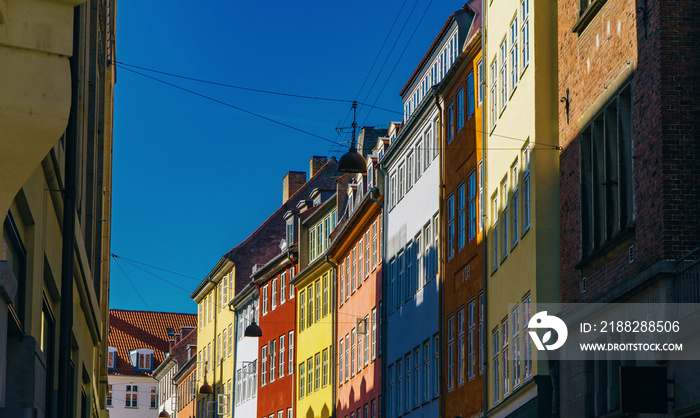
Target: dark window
x=470, y=94
x=606, y=174
x=450, y=122
x=14, y=253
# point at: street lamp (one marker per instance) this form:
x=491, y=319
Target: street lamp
x=352, y=161
x=253, y=330
x=206, y=388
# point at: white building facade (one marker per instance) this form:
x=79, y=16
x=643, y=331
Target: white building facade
x=245, y=402
x=411, y=286
x=132, y=396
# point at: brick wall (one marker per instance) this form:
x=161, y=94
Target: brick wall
x=664, y=66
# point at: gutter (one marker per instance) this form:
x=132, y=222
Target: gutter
x=334, y=333
x=441, y=259
x=382, y=328
x=484, y=217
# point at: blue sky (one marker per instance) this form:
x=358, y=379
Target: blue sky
x=192, y=178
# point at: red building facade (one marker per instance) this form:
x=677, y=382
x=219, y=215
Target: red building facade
x=355, y=248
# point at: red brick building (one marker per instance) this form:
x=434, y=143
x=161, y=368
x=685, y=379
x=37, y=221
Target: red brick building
x=629, y=81
x=462, y=171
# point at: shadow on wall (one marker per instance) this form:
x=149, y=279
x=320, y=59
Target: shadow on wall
x=325, y=413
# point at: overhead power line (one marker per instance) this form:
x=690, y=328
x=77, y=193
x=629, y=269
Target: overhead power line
x=153, y=267
x=204, y=96
x=232, y=86
x=132, y=284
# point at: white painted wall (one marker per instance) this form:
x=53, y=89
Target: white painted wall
x=144, y=384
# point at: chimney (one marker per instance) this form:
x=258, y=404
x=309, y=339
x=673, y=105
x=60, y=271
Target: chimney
x=315, y=164
x=291, y=183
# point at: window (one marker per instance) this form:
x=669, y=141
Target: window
x=504, y=356
x=515, y=342
x=374, y=333
x=132, y=393
x=471, y=339
x=360, y=250
x=409, y=288
x=264, y=300
x=302, y=310
x=325, y=295
x=390, y=394
x=416, y=376
x=436, y=366
x=425, y=376
x=317, y=371
x=154, y=398
x=407, y=383
x=367, y=267
x=291, y=288
x=341, y=364
x=309, y=305
x=224, y=284
x=514, y=204
x=273, y=360
x=450, y=226
x=347, y=277
x=526, y=188
x=274, y=294
x=471, y=181
x=263, y=360
x=496, y=375
x=109, y=395
x=461, y=217
x=353, y=341
x=418, y=156
x=460, y=109
x=525, y=33
x=400, y=278
x=318, y=300
x=302, y=377
x=223, y=344
x=409, y=171
x=471, y=104
x=353, y=278
x=341, y=268
x=527, y=342
x=324, y=376
x=503, y=80
x=309, y=375
x=399, y=387
x=480, y=181
x=494, y=206
x=493, y=115
x=504, y=221
x=606, y=174
x=460, y=346
x=374, y=245
x=514, y=53
x=291, y=353
x=450, y=353
x=402, y=181
x=289, y=413
x=290, y=232
x=449, y=121
x=347, y=357
x=111, y=358
x=365, y=351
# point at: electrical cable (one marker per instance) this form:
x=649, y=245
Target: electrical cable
x=158, y=277
x=398, y=60
x=132, y=284
x=154, y=267
x=215, y=83
x=230, y=105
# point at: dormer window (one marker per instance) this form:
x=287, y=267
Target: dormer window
x=141, y=359
x=290, y=231
x=111, y=358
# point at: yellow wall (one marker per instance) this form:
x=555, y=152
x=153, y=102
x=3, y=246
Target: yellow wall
x=213, y=318
x=313, y=340
x=529, y=117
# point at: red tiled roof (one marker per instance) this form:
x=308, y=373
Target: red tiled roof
x=130, y=330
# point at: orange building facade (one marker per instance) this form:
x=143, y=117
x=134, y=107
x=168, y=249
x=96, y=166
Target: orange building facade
x=185, y=381
x=355, y=248
x=462, y=177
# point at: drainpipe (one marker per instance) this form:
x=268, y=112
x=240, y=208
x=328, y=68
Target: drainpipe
x=382, y=329
x=65, y=337
x=335, y=325
x=441, y=260
x=371, y=196
x=484, y=217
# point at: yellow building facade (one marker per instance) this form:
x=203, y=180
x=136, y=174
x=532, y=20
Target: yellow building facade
x=315, y=286
x=521, y=197
x=215, y=339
